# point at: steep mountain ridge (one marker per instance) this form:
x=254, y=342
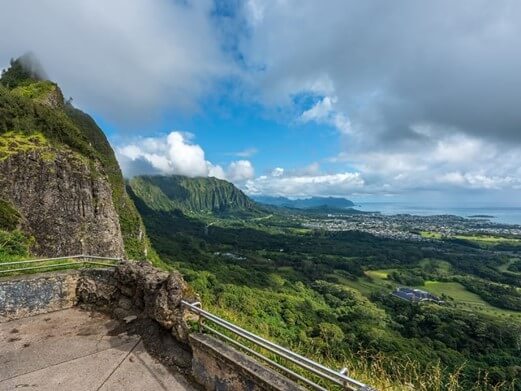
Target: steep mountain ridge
x=59, y=173
x=191, y=195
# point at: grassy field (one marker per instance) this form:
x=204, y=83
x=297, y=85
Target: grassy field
x=465, y=298
x=504, y=267
x=431, y=235
x=365, y=285
x=488, y=239
x=377, y=280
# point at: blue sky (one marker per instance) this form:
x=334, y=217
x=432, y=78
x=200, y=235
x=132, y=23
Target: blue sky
x=366, y=100
x=228, y=131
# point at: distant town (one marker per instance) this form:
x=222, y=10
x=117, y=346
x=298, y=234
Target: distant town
x=411, y=227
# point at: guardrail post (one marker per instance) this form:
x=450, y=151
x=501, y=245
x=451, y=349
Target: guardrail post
x=344, y=371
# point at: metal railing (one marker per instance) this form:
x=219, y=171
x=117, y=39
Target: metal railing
x=338, y=378
x=81, y=260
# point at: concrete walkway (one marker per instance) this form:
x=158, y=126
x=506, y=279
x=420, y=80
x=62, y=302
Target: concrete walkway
x=74, y=350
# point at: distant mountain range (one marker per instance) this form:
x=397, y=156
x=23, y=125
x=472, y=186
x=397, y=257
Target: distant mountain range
x=306, y=203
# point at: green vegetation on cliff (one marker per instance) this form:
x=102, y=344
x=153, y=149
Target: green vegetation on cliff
x=193, y=195
x=33, y=113
x=9, y=216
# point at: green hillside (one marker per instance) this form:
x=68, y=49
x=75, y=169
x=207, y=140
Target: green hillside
x=192, y=195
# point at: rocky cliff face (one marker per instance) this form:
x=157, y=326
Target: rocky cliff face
x=65, y=203
x=59, y=178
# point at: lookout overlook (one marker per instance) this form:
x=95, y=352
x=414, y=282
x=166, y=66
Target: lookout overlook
x=107, y=324
x=73, y=349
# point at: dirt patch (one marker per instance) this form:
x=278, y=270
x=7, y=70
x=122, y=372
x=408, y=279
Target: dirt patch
x=158, y=342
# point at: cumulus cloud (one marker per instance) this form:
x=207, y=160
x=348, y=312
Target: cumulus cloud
x=277, y=171
x=240, y=170
x=176, y=153
x=172, y=154
x=450, y=162
x=324, y=112
x=423, y=95
x=126, y=60
x=292, y=183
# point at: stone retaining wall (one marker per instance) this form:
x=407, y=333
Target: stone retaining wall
x=37, y=294
x=137, y=288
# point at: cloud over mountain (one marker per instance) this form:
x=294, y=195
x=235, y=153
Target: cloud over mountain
x=126, y=60
x=176, y=153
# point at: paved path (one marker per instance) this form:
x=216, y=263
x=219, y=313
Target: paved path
x=72, y=350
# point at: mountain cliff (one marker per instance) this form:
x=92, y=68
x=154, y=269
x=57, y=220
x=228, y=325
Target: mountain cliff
x=59, y=178
x=191, y=195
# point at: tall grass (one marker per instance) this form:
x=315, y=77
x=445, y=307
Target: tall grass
x=381, y=371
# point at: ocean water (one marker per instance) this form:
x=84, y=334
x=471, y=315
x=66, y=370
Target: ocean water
x=501, y=213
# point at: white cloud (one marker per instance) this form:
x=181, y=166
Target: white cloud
x=428, y=101
x=320, y=111
x=452, y=161
x=176, y=154
x=240, y=170
x=216, y=171
x=125, y=60
x=340, y=184
x=324, y=112
x=248, y=152
x=392, y=66
x=443, y=161
x=172, y=154
x=277, y=171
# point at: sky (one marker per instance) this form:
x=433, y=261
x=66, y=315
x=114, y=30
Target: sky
x=370, y=100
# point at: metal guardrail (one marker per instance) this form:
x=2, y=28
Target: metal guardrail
x=339, y=378
x=42, y=263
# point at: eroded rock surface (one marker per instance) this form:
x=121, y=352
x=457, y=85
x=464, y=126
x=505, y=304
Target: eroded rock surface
x=139, y=288
x=65, y=202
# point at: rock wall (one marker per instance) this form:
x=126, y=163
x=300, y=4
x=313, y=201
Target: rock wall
x=137, y=288
x=65, y=201
x=38, y=294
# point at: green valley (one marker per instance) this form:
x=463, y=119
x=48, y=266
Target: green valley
x=326, y=293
